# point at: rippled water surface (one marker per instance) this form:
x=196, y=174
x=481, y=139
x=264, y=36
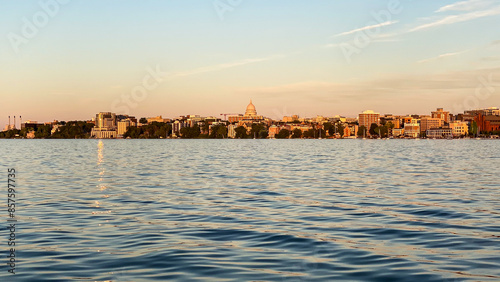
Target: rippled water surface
x=255, y=210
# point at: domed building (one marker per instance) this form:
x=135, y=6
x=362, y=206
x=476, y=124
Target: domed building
x=250, y=115
x=251, y=111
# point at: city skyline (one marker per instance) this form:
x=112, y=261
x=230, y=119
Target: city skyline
x=289, y=57
x=14, y=120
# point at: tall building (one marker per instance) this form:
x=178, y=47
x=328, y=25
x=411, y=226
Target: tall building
x=105, y=126
x=177, y=126
x=439, y=113
x=429, y=122
x=367, y=118
x=123, y=125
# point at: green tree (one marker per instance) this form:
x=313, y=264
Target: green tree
x=43, y=131
x=296, y=133
x=382, y=130
x=311, y=133
x=283, y=134
x=263, y=134
x=256, y=129
x=154, y=130
x=473, y=130
x=329, y=127
x=241, y=132
x=206, y=126
x=143, y=120
x=190, y=132
x=218, y=131
x=373, y=127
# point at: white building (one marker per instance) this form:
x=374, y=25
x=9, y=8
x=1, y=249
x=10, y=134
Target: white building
x=105, y=126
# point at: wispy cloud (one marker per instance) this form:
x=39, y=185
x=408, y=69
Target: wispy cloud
x=468, y=5
x=368, y=27
x=442, y=56
x=458, y=18
x=222, y=66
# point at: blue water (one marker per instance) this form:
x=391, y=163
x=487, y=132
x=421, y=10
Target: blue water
x=255, y=210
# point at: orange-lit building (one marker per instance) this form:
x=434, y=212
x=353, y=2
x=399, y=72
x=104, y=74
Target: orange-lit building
x=429, y=122
x=459, y=128
x=487, y=123
x=439, y=113
x=250, y=116
x=367, y=118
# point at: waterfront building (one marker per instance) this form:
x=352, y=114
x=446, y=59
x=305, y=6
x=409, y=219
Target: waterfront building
x=353, y=129
x=231, y=131
x=398, y=132
x=347, y=132
x=428, y=122
x=459, y=128
x=178, y=125
x=367, y=118
x=123, y=126
x=105, y=126
x=439, y=133
x=31, y=124
x=487, y=123
x=412, y=129
x=273, y=131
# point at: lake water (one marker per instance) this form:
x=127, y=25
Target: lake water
x=254, y=210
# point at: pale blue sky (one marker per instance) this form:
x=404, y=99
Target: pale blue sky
x=288, y=56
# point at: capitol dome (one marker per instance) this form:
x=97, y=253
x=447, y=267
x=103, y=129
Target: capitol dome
x=250, y=110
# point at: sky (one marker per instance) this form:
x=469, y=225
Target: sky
x=70, y=59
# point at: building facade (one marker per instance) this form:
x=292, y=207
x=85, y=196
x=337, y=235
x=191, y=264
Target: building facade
x=412, y=129
x=367, y=118
x=459, y=128
x=105, y=126
x=441, y=114
x=427, y=123
x=440, y=133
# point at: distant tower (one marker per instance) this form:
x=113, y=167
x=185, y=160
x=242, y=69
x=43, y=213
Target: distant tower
x=20, y=122
x=14, y=126
x=9, y=123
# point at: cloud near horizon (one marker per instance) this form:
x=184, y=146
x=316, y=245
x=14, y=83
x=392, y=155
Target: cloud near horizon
x=442, y=56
